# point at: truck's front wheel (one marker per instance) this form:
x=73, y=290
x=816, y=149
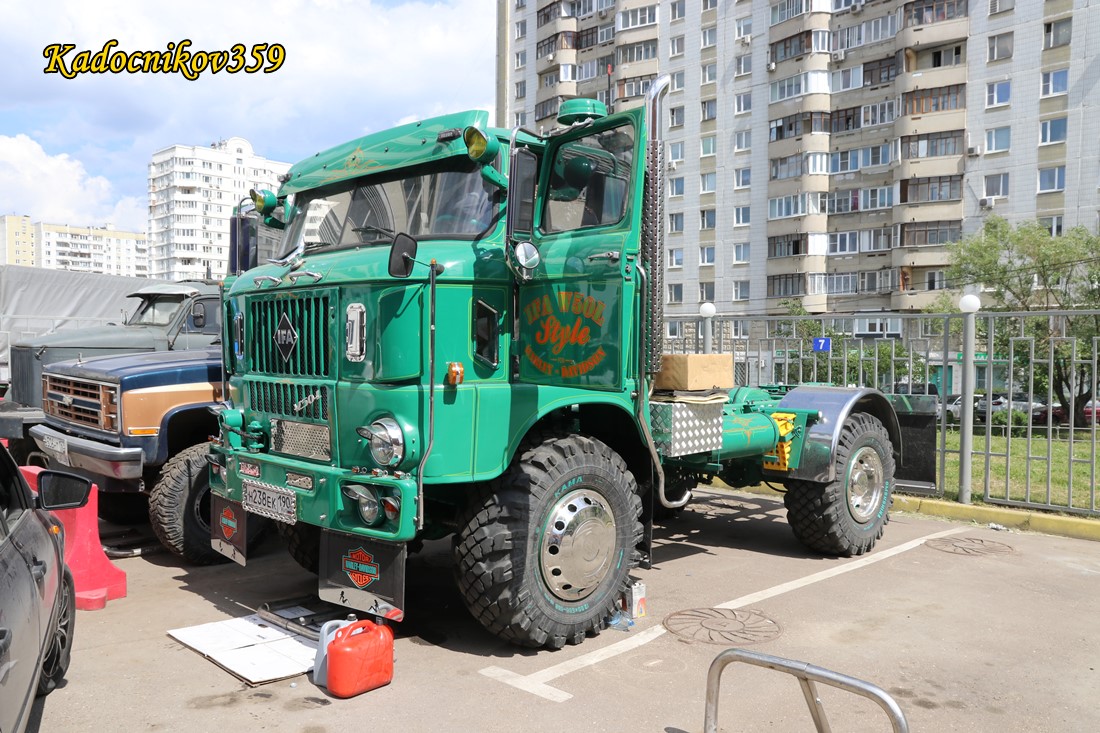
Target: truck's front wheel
x=846, y=517
x=179, y=508
x=544, y=553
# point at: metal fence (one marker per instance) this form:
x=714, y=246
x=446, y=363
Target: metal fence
x=1035, y=437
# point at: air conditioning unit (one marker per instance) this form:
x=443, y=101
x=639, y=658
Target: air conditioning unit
x=974, y=151
x=549, y=57
x=839, y=56
x=987, y=203
x=857, y=6
x=746, y=39
x=672, y=165
x=771, y=66
x=603, y=13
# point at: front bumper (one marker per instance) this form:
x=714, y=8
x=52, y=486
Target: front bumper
x=89, y=455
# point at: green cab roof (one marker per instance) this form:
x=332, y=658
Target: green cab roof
x=398, y=147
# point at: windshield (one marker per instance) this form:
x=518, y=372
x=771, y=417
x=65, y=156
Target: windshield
x=452, y=203
x=156, y=311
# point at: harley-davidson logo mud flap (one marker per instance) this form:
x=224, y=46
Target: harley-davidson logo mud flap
x=228, y=528
x=367, y=575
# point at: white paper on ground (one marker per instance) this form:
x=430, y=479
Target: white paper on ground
x=250, y=648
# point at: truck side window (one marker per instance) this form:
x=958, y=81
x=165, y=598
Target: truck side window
x=486, y=333
x=589, y=180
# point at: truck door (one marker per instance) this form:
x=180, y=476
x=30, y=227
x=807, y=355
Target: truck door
x=575, y=314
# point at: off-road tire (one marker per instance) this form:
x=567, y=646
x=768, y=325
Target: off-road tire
x=59, y=653
x=179, y=508
x=838, y=518
x=303, y=542
x=504, y=547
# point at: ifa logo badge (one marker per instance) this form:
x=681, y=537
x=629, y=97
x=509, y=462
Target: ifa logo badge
x=228, y=521
x=360, y=567
x=285, y=337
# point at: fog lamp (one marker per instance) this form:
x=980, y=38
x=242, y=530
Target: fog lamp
x=370, y=509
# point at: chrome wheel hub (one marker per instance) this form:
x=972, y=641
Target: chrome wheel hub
x=866, y=484
x=578, y=544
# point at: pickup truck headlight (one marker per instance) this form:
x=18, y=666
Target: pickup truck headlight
x=387, y=442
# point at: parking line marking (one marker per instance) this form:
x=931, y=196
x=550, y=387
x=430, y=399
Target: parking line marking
x=536, y=682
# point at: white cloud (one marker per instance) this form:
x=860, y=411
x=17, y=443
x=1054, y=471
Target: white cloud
x=351, y=66
x=58, y=189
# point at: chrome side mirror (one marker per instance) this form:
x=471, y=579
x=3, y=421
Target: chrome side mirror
x=523, y=258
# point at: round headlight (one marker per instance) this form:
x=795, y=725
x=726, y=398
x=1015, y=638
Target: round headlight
x=387, y=444
x=370, y=509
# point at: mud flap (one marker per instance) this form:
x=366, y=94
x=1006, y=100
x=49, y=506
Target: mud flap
x=367, y=575
x=229, y=528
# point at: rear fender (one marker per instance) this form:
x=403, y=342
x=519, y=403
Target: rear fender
x=834, y=405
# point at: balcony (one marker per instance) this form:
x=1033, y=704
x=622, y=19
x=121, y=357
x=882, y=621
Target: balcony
x=941, y=165
x=931, y=78
x=933, y=255
x=928, y=211
x=914, y=300
x=931, y=34
x=796, y=264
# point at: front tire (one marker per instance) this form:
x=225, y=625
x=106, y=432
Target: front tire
x=846, y=517
x=56, y=663
x=303, y=542
x=179, y=509
x=544, y=553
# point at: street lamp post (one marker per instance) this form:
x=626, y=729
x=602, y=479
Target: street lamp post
x=706, y=312
x=969, y=305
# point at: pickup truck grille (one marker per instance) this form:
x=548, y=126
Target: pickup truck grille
x=80, y=401
x=307, y=351
x=292, y=400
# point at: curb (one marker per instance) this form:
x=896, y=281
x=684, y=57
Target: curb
x=1023, y=519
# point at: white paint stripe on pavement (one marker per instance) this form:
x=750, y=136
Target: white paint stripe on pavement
x=535, y=683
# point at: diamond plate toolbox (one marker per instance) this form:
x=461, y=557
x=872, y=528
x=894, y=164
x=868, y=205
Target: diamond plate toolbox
x=683, y=428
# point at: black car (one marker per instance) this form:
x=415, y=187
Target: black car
x=37, y=597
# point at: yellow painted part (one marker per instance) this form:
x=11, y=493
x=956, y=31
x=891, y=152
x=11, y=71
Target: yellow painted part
x=785, y=421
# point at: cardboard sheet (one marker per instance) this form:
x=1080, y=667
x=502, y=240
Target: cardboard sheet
x=250, y=648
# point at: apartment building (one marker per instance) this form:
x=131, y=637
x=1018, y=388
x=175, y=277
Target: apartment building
x=97, y=249
x=192, y=193
x=876, y=132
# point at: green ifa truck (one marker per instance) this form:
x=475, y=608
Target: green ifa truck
x=460, y=338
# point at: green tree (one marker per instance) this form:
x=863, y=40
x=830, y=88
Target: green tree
x=1027, y=271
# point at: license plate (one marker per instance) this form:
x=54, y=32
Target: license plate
x=57, y=448
x=270, y=501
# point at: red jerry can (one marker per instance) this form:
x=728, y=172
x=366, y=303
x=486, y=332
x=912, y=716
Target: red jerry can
x=360, y=658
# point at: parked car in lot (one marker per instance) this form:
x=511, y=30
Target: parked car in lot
x=1041, y=413
x=954, y=407
x=37, y=597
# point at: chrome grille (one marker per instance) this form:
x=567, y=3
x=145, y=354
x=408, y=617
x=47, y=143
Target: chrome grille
x=308, y=316
x=281, y=399
x=80, y=401
x=301, y=439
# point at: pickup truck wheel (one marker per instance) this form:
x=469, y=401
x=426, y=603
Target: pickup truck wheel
x=303, y=542
x=543, y=553
x=179, y=508
x=846, y=517
x=60, y=649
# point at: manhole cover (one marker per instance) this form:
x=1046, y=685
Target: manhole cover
x=968, y=546
x=722, y=626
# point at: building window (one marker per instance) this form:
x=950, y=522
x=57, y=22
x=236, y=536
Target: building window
x=707, y=182
x=1000, y=47
x=1055, y=82
x=743, y=65
x=742, y=140
x=996, y=185
x=675, y=293
x=932, y=145
x=709, y=5
x=998, y=140
x=741, y=252
x=674, y=329
x=931, y=233
x=707, y=219
x=1052, y=179
x=998, y=93
x=677, y=81
x=676, y=46
x=936, y=188
x=707, y=145
x=676, y=186
x=1057, y=33
x=676, y=152
x=706, y=292
x=882, y=71
x=677, y=10
x=939, y=99
x=521, y=89
x=709, y=109
x=843, y=243
x=741, y=216
x=676, y=257
x=742, y=103
x=676, y=116
x=1053, y=224
x=638, y=17
x=743, y=27
x=710, y=73
x=783, y=286
x=706, y=255
x=1052, y=130
x=676, y=222
x=740, y=289
x=787, y=9
x=521, y=59
x=710, y=37
x=742, y=177
x=934, y=280
x=521, y=28
x=927, y=12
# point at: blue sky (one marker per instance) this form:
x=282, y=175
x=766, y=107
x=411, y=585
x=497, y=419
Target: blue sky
x=77, y=150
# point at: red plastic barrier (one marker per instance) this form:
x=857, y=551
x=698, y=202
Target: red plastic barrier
x=97, y=579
